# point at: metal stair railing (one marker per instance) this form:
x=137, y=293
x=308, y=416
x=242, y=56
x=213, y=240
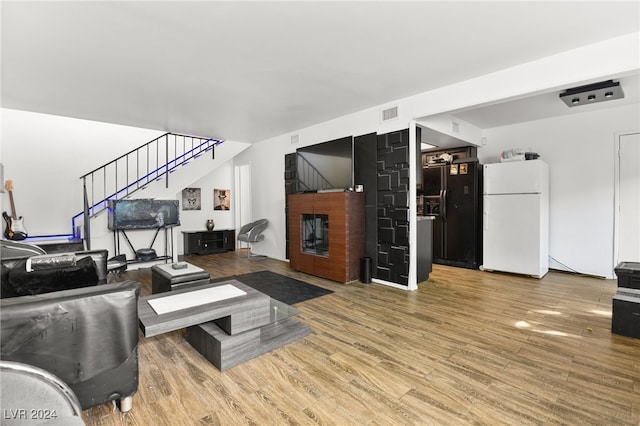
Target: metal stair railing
x=133, y=171
x=309, y=177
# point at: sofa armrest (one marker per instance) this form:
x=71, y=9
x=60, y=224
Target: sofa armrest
x=87, y=336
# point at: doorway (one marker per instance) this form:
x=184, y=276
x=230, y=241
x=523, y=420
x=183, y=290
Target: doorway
x=242, y=206
x=627, y=206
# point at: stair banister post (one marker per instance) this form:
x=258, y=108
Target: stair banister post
x=87, y=221
x=166, y=145
x=116, y=179
x=126, y=175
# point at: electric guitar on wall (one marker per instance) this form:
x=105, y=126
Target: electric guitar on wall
x=15, y=228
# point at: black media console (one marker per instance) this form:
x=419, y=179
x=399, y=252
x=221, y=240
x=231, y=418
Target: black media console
x=208, y=242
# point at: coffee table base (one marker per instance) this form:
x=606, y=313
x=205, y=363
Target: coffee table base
x=228, y=331
x=226, y=351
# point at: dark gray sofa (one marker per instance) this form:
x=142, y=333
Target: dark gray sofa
x=87, y=336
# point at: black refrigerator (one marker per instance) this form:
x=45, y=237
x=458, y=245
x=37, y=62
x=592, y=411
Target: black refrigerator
x=452, y=194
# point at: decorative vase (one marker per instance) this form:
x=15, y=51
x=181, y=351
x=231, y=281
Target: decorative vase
x=210, y=225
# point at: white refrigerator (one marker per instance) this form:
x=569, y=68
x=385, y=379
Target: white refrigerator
x=516, y=217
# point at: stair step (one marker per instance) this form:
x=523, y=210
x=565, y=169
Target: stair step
x=57, y=243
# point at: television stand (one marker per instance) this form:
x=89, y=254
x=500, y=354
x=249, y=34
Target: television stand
x=145, y=254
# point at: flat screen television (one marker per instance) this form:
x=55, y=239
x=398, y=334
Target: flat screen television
x=143, y=214
x=327, y=165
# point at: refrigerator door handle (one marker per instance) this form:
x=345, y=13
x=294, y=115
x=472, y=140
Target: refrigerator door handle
x=443, y=204
x=485, y=213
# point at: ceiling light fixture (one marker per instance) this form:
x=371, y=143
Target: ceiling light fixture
x=592, y=93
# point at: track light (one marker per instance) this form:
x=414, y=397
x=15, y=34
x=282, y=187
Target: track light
x=592, y=93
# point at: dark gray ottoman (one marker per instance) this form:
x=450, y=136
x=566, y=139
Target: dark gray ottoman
x=166, y=278
x=625, y=319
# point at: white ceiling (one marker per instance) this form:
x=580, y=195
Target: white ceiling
x=542, y=106
x=247, y=71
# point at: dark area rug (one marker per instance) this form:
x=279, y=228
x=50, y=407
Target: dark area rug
x=285, y=289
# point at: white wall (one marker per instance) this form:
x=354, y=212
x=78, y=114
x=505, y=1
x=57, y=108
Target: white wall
x=204, y=173
x=579, y=149
x=195, y=220
x=547, y=74
x=66, y=148
x=450, y=125
x=45, y=155
x=266, y=160
x=572, y=68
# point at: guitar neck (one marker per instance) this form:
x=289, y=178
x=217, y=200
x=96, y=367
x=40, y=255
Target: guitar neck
x=14, y=215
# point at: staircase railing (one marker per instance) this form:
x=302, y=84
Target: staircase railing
x=133, y=171
x=309, y=177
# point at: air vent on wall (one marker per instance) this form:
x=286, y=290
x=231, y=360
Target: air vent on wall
x=592, y=93
x=389, y=113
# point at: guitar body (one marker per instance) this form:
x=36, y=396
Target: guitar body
x=15, y=229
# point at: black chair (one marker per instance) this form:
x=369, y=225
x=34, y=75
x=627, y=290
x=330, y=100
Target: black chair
x=252, y=233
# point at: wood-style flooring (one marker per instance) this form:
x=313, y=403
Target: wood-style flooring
x=468, y=347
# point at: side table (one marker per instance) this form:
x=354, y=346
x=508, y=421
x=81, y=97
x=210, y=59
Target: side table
x=165, y=278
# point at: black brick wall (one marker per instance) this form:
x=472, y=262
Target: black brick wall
x=392, y=207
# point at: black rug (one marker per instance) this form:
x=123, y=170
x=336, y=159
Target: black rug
x=285, y=289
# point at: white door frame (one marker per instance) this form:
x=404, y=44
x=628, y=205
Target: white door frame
x=616, y=197
x=242, y=199
x=413, y=208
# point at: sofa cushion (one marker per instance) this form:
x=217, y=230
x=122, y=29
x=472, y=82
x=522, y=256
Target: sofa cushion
x=23, y=283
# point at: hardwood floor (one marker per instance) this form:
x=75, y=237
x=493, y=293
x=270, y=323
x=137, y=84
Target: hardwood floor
x=468, y=347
